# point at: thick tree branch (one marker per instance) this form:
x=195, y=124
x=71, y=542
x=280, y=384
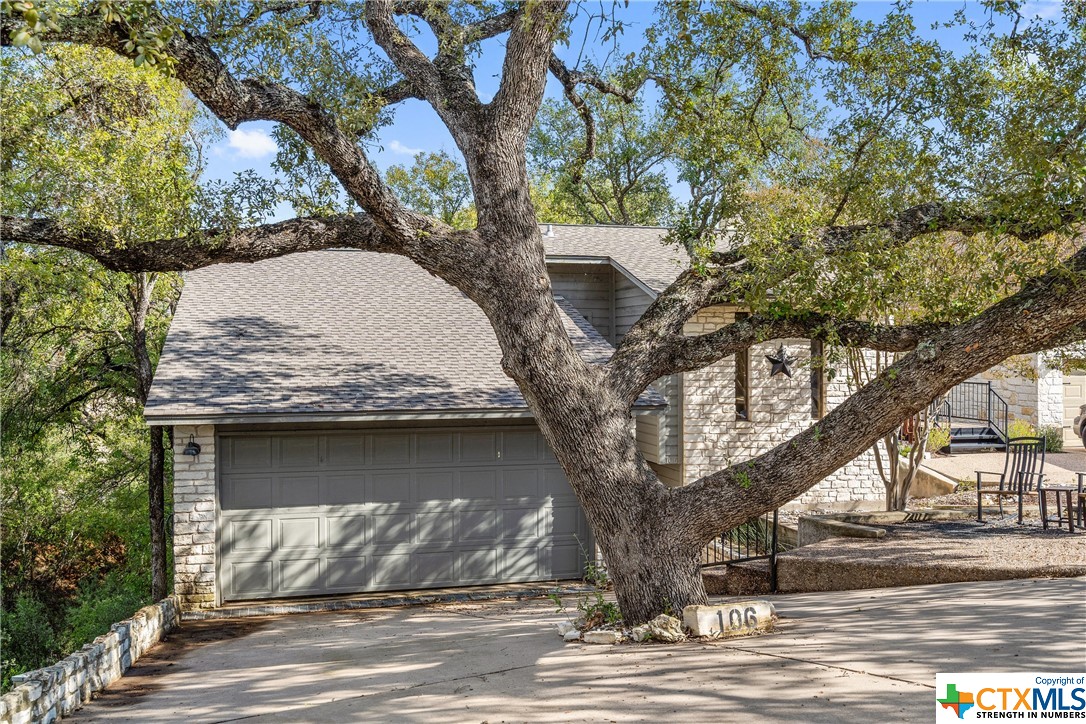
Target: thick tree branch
x=420, y=72
x=683, y=354
x=236, y=101
x=524, y=69
x=661, y=325
x=356, y=231
x=1045, y=312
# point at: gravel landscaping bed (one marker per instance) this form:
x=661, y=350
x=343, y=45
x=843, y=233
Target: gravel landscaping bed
x=922, y=552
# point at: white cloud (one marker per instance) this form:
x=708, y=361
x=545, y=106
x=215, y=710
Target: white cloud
x=251, y=144
x=1044, y=9
x=397, y=147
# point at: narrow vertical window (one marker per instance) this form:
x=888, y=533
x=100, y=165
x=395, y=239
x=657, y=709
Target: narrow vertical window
x=818, y=380
x=742, y=378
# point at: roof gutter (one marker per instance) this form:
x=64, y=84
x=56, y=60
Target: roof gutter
x=243, y=418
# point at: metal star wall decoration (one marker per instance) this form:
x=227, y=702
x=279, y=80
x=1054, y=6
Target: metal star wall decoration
x=781, y=362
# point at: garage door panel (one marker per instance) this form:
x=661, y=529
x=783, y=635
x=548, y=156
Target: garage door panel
x=346, y=531
x=391, y=529
x=564, y=561
x=345, y=573
x=563, y=521
x=248, y=452
x=388, y=487
x=521, y=563
x=437, y=485
x=435, y=568
x=556, y=486
x=478, y=484
x=392, y=449
x=331, y=512
x=521, y=446
x=434, y=448
x=346, y=451
x=300, y=575
x=479, y=525
x=345, y=489
x=478, y=447
x=393, y=569
x=296, y=533
x=520, y=483
x=295, y=491
x=435, y=528
x=299, y=452
x=520, y=524
x=479, y=566
x=245, y=492
x=248, y=536
x=251, y=579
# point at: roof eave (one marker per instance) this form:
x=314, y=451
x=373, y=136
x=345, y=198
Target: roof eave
x=243, y=418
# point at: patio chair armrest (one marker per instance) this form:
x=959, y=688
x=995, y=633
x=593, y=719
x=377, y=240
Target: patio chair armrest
x=982, y=473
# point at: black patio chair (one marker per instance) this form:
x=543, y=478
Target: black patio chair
x=1023, y=473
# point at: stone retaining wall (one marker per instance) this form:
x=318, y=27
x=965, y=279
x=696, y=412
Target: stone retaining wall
x=56, y=691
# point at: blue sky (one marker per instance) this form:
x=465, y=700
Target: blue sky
x=417, y=128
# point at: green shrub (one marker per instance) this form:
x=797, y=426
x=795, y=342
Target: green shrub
x=101, y=603
x=1021, y=428
x=27, y=639
x=1053, y=435
x=938, y=438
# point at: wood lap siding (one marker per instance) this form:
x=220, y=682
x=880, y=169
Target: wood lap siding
x=588, y=288
x=613, y=303
x=657, y=435
x=630, y=303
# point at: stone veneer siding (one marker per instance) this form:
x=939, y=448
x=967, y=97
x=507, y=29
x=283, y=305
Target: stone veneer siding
x=56, y=691
x=194, y=517
x=1033, y=391
x=780, y=408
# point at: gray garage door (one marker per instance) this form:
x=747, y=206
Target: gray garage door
x=339, y=512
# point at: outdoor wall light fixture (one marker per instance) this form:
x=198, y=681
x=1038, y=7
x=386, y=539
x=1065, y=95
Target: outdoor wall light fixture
x=193, y=448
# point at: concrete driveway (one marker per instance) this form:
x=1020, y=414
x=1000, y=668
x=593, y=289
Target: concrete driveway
x=844, y=656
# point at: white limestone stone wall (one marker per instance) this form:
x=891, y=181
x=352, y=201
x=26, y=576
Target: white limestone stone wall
x=54, y=692
x=1033, y=391
x=194, y=517
x=1049, y=395
x=780, y=408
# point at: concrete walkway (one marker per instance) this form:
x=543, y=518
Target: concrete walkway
x=845, y=656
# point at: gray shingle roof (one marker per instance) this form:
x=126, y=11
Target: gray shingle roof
x=638, y=249
x=339, y=333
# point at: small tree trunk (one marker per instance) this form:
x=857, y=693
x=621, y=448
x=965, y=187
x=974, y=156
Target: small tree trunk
x=156, y=494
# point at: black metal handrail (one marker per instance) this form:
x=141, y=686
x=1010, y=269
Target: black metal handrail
x=973, y=402
x=755, y=540
x=997, y=413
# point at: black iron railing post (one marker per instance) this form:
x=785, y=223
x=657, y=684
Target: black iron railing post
x=773, y=557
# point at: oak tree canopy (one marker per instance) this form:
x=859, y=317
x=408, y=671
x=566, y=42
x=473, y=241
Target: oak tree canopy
x=849, y=180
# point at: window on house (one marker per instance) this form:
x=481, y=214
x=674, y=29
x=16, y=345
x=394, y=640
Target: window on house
x=742, y=379
x=818, y=380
